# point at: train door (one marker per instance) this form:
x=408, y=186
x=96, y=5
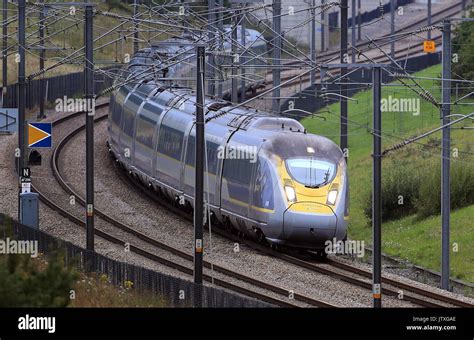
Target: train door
x=239, y=163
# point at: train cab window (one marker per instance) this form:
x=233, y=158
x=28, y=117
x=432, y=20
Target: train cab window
x=263, y=189
x=312, y=173
x=145, y=130
x=170, y=142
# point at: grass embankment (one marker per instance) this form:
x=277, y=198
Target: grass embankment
x=414, y=235
x=61, y=44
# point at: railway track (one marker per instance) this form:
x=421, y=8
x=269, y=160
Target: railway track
x=337, y=270
x=418, y=295
x=283, y=301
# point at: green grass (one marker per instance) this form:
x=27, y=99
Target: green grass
x=420, y=242
x=411, y=238
x=71, y=40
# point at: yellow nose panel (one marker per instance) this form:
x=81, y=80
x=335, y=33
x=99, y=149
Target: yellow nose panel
x=311, y=208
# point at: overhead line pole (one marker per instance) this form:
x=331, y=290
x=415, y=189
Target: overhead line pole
x=359, y=20
x=89, y=95
x=235, y=62
x=353, y=31
x=377, y=188
x=446, y=155
x=277, y=46
x=199, y=179
x=21, y=99
x=323, y=28
x=4, y=55
x=135, y=26
x=242, y=57
x=211, y=88
x=41, y=61
x=220, y=28
x=392, y=28
x=429, y=19
x=344, y=94
x=22, y=131
x=313, y=40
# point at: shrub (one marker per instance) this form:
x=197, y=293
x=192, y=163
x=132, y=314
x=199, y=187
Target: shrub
x=399, y=190
x=462, y=189
x=419, y=183
x=24, y=283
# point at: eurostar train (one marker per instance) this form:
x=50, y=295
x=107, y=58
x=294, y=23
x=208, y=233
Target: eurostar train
x=265, y=175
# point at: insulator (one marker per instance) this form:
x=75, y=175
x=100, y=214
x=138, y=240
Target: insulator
x=427, y=28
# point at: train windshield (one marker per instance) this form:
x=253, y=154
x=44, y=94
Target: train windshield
x=312, y=173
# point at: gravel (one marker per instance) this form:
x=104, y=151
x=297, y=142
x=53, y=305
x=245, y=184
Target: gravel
x=127, y=205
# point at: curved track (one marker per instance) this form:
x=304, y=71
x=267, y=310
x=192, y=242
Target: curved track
x=284, y=301
x=339, y=270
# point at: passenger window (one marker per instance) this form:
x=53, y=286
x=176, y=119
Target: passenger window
x=191, y=150
x=128, y=123
x=212, y=157
x=145, y=131
x=170, y=142
x=211, y=154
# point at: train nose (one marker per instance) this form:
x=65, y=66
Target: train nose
x=309, y=224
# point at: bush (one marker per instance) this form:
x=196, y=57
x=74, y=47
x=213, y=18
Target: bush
x=399, y=191
x=463, y=45
x=462, y=189
x=420, y=187
x=31, y=283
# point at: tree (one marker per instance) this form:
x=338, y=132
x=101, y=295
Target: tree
x=463, y=46
x=34, y=283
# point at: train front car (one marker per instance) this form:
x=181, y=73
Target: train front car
x=312, y=185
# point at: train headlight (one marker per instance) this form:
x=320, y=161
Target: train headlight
x=290, y=194
x=332, y=197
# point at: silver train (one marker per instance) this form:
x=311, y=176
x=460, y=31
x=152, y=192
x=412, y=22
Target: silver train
x=265, y=176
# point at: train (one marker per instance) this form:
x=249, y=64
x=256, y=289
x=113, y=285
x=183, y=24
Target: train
x=265, y=175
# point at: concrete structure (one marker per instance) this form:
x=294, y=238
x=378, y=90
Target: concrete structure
x=302, y=15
